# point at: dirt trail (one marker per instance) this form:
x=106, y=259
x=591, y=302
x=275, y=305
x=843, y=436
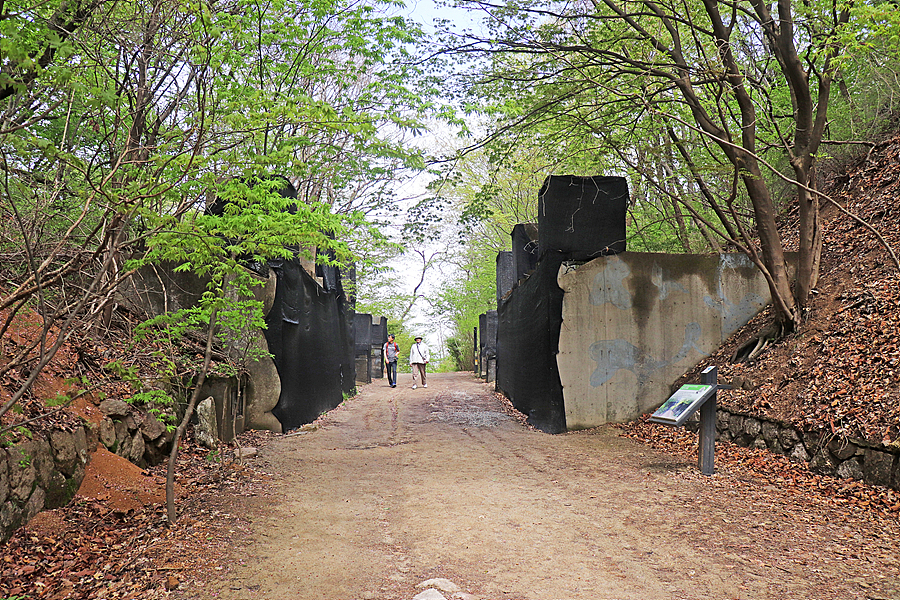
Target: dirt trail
x=399, y=486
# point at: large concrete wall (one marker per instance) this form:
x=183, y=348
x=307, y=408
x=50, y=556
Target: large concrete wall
x=635, y=322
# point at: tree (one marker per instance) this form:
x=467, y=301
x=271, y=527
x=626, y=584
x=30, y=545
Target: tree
x=122, y=120
x=738, y=91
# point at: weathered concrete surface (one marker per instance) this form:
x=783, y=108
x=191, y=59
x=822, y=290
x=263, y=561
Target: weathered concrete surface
x=635, y=322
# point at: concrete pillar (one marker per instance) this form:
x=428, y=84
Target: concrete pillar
x=524, y=249
x=582, y=217
x=506, y=273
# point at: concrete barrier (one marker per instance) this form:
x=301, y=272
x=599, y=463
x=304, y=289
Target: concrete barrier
x=635, y=322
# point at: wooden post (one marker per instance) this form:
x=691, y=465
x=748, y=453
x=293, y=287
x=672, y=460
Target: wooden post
x=707, y=455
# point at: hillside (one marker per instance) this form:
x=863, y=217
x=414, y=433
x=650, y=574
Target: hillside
x=841, y=371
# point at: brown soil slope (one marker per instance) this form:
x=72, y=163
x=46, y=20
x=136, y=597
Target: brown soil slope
x=841, y=371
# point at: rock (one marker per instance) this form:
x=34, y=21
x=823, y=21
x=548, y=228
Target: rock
x=123, y=439
x=22, y=475
x=108, y=433
x=63, y=445
x=760, y=444
x=850, y=469
x=812, y=439
x=136, y=454
x=4, y=477
x=133, y=421
x=42, y=458
x=752, y=426
x=799, y=453
x=121, y=436
x=822, y=463
x=769, y=431
x=10, y=519
x=430, y=594
x=245, y=452
x=788, y=437
x=114, y=408
x=877, y=467
x=721, y=420
x=82, y=443
x=735, y=424
x=841, y=448
x=464, y=596
x=35, y=503
x=444, y=585
x=207, y=431
x=152, y=428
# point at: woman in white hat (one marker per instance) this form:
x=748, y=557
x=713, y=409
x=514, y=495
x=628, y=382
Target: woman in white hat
x=418, y=358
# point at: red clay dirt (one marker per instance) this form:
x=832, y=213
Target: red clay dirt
x=119, y=483
x=398, y=486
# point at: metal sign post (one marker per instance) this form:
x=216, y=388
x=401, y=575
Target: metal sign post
x=707, y=451
x=684, y=403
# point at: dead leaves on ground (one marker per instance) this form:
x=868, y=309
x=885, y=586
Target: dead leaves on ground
x=761, y=468
x=87, y=550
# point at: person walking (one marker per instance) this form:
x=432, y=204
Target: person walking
x=391, y=353
x=418, y=358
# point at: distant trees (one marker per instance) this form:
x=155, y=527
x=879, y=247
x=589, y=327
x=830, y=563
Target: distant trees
x=717, y=109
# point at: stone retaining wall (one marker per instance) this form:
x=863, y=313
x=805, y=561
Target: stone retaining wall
x=44, y=472
x=134, y=434
x=826, y=453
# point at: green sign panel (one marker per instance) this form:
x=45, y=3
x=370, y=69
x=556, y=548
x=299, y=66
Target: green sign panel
x=682, y=404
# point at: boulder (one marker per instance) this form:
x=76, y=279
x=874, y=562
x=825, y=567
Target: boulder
x=850, y=469
x=64, y=452
x=136, y=452
x=115, y=408
x=788, y=437
x=841, y=448
x=799, y=453
x=108, y=433
x=752, y=426
x=769, y=432
x=877, y=467
x=207, y=432
x=152, y=428
x=22, y=474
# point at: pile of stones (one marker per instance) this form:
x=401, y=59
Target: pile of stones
x=133, y=433
x=43, y=472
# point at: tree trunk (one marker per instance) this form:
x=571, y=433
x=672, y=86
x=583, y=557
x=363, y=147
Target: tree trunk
x=195, y=397
x=786, y=308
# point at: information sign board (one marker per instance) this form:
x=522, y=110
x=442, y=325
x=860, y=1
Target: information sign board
x=682, y=404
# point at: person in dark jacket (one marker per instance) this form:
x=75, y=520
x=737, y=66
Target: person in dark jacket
x=391, y=352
